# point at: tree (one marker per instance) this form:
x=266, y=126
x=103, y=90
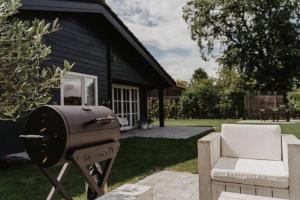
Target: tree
x=259, y=37
x=24, y=83
x=232, y=89
x=200, y=100
x=199, y=74
x=181, y=83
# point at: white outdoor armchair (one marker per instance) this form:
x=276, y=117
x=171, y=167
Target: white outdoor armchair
x=249, y=159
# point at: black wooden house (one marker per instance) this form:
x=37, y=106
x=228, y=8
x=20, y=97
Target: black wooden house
x=112, y=67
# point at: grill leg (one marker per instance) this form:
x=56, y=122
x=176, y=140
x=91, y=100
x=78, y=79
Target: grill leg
x=56, y=182
x=89, y=178
x=86, y=157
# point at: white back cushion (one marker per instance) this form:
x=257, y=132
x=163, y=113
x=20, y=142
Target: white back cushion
x=251, y=141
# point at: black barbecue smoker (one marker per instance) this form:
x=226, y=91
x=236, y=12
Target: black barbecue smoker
x=87, y=136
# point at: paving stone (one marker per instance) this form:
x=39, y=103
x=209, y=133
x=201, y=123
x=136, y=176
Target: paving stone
x=169, y=132
x=129, y=192
x=173, y=185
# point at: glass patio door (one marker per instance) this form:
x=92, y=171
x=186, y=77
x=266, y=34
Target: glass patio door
x=126, y=103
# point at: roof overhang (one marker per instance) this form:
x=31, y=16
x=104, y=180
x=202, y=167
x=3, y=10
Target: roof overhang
x=99, y=8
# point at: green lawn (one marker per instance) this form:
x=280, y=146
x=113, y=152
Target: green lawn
x=215, y=123
x=291, y=129
x=138, y=157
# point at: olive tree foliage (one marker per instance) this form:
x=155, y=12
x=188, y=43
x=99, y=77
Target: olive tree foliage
x=24, y=84
x=261, y=38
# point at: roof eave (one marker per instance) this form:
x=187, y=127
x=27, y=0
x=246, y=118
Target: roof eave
x=105, y=10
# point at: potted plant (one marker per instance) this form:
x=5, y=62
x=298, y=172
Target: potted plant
x=143, y=125
x=149, y=123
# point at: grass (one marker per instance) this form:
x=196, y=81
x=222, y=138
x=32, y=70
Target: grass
x=137, y=158
x=215, y=123
x=291, y=129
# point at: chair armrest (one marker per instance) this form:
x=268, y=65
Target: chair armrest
x=209, y=148
x=291, y=159
x=208, y=153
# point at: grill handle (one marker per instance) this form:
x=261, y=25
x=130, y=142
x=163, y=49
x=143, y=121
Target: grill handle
x=104, y=120
x=31, y=137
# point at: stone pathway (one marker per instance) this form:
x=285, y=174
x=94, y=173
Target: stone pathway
x=169, y=132
x=169, y=185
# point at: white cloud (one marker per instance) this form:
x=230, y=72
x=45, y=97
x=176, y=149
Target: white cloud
x=182, y=67
x=160, y=24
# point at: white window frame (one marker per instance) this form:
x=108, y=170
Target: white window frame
x=83, y=78
x=118, y=86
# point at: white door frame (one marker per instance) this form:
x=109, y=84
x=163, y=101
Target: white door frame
x=118, y=86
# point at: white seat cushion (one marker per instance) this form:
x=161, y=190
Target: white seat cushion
x=267, y=173
x=251, y=141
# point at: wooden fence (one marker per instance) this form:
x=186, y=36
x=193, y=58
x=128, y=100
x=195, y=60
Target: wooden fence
x=254, y=105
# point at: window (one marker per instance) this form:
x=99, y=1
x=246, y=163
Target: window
x=79, y=89
x=126, y=103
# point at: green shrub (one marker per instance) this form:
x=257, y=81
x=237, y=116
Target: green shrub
x=200, y=100
x=294, y=100
x=171, y=106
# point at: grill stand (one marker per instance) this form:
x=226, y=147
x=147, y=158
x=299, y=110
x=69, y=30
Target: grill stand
x=83, y=158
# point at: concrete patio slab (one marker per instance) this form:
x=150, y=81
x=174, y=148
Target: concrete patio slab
x=169, y=185
x=168, y=132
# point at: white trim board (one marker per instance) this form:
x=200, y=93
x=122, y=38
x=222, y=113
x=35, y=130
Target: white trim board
x=83, y=80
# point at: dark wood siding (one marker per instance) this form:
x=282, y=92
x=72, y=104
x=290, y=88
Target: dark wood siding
x=129, y=68
x=123, y=70
x=78, y=44
x=9, y=134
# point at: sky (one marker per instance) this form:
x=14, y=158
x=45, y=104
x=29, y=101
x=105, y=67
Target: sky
x=159, y=25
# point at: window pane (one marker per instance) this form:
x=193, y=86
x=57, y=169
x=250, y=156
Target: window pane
x=127, y=95
x=134, y=107
x=119, y=108
x=132, y=95
x=119, y=94
x=90, y=91
x=72, y=87
x=115, y=107
x=115, y=94
x=125, y=108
